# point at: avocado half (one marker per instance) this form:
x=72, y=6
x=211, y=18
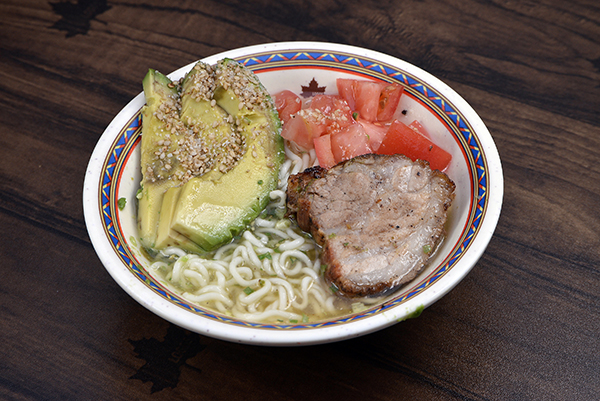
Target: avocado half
x=226, y=160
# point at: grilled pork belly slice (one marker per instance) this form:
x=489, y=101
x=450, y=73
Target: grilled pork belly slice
x=379, y=218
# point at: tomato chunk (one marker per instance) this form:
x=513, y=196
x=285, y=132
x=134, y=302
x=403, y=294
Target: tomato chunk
x=296, y=130
x=346, y=90
x=374, y=101
x=375, y=132
x=367, y=95
x=287, y=103
x=418, y=127
x=315, y=121
x=405, y=140
x=324, y=114
x=331, y=111
x=323, y=150
x=349, y=142
x=388, y=101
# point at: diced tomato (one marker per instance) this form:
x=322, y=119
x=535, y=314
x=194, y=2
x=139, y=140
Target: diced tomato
x=316, y=123
x=334, y=111
x=296, y=130
x=375, y=132
x=367, y=95
x=287, y=103
x=362, y=96
x=349, y=142
x=374, y=101
x=323, y=151
x=403, y=139
x=325, y=114
x=418, y=127
x=346, y=90
x=324, y=103
x=326, y=123
x=388, y=101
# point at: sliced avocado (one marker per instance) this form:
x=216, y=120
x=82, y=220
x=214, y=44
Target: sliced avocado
x=211, y=131
x=166, y=235
x=221, y=145
x=161, y=134
x=210, y=211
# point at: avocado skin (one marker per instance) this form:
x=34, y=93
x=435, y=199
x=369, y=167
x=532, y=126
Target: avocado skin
x=211, y=211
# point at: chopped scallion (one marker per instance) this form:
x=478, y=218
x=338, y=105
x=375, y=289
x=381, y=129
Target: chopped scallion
x=323, y=268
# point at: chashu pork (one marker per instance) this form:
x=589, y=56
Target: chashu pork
x=379, y=218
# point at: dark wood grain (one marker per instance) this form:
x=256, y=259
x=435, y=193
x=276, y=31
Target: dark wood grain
x=523, y=324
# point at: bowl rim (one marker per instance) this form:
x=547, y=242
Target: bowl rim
x=172, y=312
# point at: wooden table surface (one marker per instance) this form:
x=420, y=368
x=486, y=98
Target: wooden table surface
x=523, y=325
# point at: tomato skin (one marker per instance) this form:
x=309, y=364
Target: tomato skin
x=388, y=101
x=287, y=103
x=405, y=140
x=349, y=142
x=323, y=150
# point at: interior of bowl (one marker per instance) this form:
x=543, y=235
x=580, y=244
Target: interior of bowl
x=452, y=124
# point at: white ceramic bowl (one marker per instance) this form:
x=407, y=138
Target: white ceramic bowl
x=113, y=172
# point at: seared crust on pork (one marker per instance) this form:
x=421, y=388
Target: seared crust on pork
x=297, y=185
x=379, y=219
